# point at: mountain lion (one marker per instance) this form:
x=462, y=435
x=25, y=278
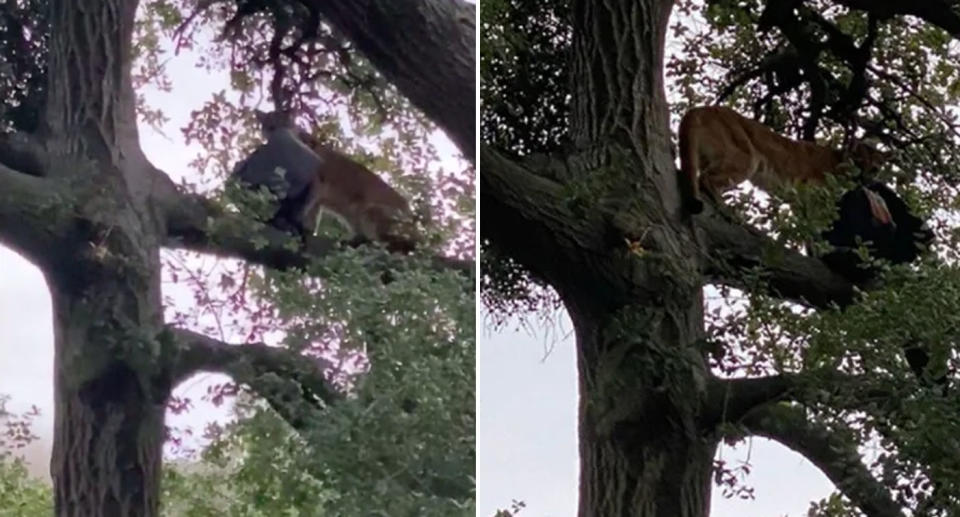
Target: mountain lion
x=719, y=149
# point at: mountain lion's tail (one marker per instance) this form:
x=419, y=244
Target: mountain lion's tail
x=689, y=166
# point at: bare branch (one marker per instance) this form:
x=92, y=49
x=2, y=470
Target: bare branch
x=409, y=41
x=729, y=400
x=833, y=451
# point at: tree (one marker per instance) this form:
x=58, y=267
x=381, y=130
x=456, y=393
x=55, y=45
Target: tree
x=579, y=203
x=79, y=199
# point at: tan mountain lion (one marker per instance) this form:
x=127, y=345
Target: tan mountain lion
x=719, y=149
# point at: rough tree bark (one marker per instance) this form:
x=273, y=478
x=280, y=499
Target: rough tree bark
x=80, y=200
x=643, y=454
x=110, y=391
x=630, y=267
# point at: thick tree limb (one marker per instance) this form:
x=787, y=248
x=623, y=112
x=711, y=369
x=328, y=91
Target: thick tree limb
x=833, y=451
x=284, y=378
x=186, y=218
x=32, y=218
x=526, y=216
x=23, y=153
x=187, y=227
x=735, y=248
x=729, y=400
x=288, y=381
x=426, y=48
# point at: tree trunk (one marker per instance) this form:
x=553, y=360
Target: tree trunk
x=108, y=427
x=111, y=378
x=642, y=449
x=642, y=378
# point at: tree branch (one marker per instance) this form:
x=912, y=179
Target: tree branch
x=528, y=218
x=426, y=48
x=31, y=215
x=782, y=15
x=187, y=218
x=290, y=382
x=787, y=58
x=284, y=378
x=833, y=451
x=23, y=153
x=734, y=249
x=729, y=400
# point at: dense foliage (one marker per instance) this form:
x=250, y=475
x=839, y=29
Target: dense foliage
x=524, y=47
